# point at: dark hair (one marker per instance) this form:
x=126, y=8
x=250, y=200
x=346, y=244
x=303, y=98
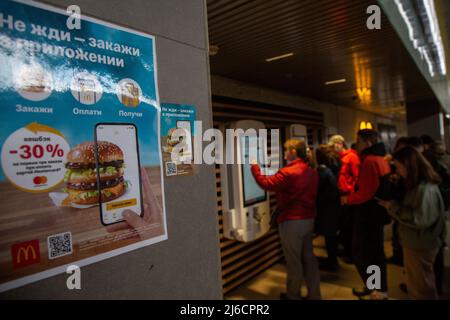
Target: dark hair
x=426, y=139
x=401, y=142
x=417, y=167
x=414, y=142
x=368, y=135
x=326, y=155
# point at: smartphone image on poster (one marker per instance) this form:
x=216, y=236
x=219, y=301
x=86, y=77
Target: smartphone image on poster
x=118, y=171
x=187, y=152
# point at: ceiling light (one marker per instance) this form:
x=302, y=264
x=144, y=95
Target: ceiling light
x=280, y=57
x=424, y=33
x=435, y=34
x=335, y=81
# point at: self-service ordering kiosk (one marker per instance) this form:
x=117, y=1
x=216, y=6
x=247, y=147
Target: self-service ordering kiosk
x=246, y=209
x=330, y=131
x=297, y=131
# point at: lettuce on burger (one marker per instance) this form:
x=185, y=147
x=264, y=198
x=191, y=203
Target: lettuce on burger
x=81, y=174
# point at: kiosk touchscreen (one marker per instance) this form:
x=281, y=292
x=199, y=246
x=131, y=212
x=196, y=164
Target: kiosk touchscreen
x=252, y=192
x=246, y=211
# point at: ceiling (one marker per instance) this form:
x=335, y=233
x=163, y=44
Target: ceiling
x=329, y=40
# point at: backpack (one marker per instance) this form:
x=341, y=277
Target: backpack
x=384, y=192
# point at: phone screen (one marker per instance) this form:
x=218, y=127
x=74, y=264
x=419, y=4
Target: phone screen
x=118, y=171
x=187, y=152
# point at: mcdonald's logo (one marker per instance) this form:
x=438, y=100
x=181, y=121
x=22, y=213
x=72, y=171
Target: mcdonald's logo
x=25, y=253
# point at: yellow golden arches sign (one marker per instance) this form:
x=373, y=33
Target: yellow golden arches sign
x=365, y=125
x=25, y=252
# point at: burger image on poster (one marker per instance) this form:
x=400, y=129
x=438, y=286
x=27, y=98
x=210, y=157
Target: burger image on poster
x=85, y=88
x=81, y=174
x=33, y=82
x=172, y=140
x=129, y=92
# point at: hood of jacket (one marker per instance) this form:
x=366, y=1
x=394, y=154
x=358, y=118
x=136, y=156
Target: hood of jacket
x=376, y=150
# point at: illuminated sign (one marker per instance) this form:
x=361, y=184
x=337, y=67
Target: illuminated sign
x=365, y=125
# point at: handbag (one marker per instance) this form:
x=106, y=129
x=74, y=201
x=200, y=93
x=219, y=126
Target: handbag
x=273, y=218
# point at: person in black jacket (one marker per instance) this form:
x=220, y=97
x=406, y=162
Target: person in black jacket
x=369, y=217
x=397, y=251
x=328, y=204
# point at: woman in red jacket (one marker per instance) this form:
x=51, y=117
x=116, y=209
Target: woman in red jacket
x=296, y=190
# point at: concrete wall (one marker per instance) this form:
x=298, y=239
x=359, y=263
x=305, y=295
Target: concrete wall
x=429, y=125
x=345, y=120
x=424, y=117
x=447, y=133
x=187, y=266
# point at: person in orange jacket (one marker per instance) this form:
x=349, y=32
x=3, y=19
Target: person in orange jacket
x=296, y=191
x=349, y=172
x=347, y=177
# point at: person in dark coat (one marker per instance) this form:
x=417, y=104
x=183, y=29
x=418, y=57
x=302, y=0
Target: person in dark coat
x=397, y=251
x=369, y=216
x=328, y=204
x=347, y=176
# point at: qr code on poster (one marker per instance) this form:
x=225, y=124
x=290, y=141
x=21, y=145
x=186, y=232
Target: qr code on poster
x=59, y=245
x=171, y=168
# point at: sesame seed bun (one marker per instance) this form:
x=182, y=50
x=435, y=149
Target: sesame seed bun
x=84, y=153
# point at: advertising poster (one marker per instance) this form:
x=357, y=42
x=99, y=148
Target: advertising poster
x=177, y=138
x=81, y=178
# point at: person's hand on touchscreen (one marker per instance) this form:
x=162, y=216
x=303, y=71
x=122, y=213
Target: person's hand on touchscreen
x=253, y=161
x=149, y=224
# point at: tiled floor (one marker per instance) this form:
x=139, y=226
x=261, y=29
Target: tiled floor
x=334, y=286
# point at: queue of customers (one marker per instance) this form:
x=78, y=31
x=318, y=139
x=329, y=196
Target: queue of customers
x=349, y=195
